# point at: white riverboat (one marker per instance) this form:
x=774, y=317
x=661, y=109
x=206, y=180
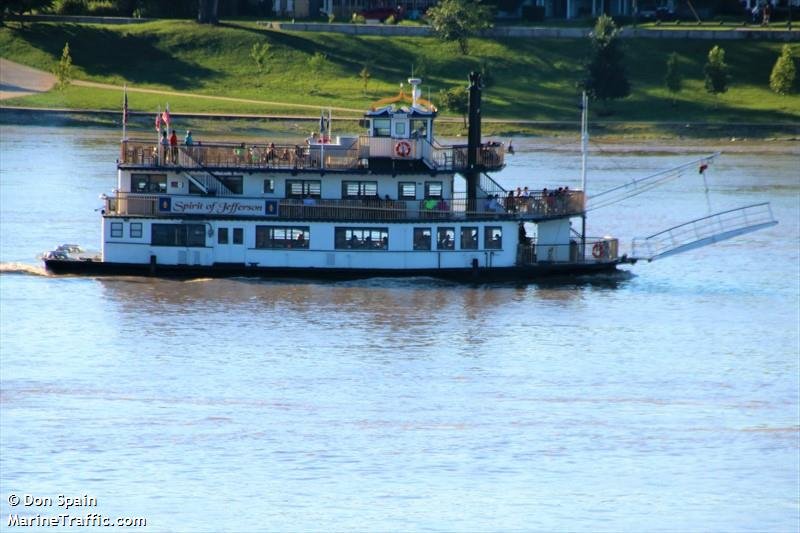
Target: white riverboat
x=379, y=204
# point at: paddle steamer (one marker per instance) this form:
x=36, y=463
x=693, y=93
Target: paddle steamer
x=383, y=203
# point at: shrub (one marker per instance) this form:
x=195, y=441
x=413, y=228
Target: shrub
x=716, y=71
x=71, y=7
x=783, y=75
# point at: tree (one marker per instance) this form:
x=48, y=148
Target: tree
x=458, y=20
x=20, y=7
x=63, y=70
x=783, y=75
x=208, y=11
x=673, y=78
x=456, y=100
x=605, y=72
x=316, y=64
x=365, y=75
x=258, y=53
x=716, y=71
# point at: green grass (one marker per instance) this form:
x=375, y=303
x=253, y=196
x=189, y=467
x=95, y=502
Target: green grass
x=533, y=79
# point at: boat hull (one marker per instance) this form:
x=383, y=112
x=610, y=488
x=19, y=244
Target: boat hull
x=540, y=271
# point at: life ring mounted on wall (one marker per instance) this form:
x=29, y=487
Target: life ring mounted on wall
x=402, y=149
x=599, y=249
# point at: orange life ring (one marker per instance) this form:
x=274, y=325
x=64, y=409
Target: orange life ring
x=599, y=249
x=402, y=149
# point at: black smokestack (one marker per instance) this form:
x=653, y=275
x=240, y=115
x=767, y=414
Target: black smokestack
x=473, y=139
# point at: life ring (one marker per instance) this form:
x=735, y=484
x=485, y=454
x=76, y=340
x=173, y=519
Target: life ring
x=402, y=149
x=599, y=249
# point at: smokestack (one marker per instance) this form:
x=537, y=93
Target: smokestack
x=473, y=139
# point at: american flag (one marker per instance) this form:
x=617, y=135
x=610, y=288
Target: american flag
x=158, y=121
x=165, y=116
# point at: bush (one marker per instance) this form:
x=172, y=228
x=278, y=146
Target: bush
x=390, y=20
x=783, y=75
x=358, y=19
x=71, y=7
x=104, y=9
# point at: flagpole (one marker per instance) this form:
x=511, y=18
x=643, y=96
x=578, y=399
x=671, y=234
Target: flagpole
x=322, y=139
x=125, y=113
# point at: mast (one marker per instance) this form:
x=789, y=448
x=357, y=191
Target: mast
x=584, y=155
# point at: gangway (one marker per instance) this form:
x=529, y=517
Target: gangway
x=703, y=231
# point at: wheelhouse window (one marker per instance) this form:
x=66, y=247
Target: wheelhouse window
x=149, y=183
x=189, y=235
x=407, y=190
x=422, y=238
x=400, y=129
x=116, y=230
x=419, y=128
x=361, y=238
x=493, y=237
x=446, y=239
x=269, y=186
x=359, y=189
x=381, y=127
x=303, y=188
x=136, y=230
x=238, y=235
x=469, y=238
x=222, y=236
x=433, y=189
x=282, y=237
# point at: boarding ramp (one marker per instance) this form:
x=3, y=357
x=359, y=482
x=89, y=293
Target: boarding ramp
x=703, y=231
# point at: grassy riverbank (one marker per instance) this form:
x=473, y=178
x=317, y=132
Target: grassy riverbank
x=531, y=79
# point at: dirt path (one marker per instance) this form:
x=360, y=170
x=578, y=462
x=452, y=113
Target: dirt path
x=19, y=80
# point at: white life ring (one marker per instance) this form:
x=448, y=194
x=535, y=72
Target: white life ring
x=402, y=149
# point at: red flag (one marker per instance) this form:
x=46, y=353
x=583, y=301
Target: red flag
x=703, y=168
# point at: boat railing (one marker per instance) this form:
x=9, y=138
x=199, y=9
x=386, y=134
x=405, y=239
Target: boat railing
x=595, y=250
x=362, y=208
x=266, y=156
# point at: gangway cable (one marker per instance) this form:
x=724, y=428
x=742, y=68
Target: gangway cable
x=642, y=185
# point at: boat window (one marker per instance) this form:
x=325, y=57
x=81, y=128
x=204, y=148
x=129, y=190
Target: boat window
x=116, y=229
x=407, y=190
x=359, y=189
x=269, y=185
x=422, y=238
x=381, y=127
x=149, y=183
x=445, y=239
x=433, y=189
x=419, y=128
x=233, y=183
x=238, y=235
x=400, y=129
x=303, y=188
x=282, y=237
x=136, y=230
x=361, y=238
x=222, y=236
x=469, y=238
x=178, y=235
x=493, y=237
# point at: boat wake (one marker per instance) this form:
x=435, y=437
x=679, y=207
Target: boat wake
x=23, y=269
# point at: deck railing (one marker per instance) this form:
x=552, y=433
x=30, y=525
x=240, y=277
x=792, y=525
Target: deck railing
x=294, y=156
x=458, y=208
x=596, y=250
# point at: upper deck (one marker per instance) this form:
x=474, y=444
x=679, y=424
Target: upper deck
x=363, y=153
